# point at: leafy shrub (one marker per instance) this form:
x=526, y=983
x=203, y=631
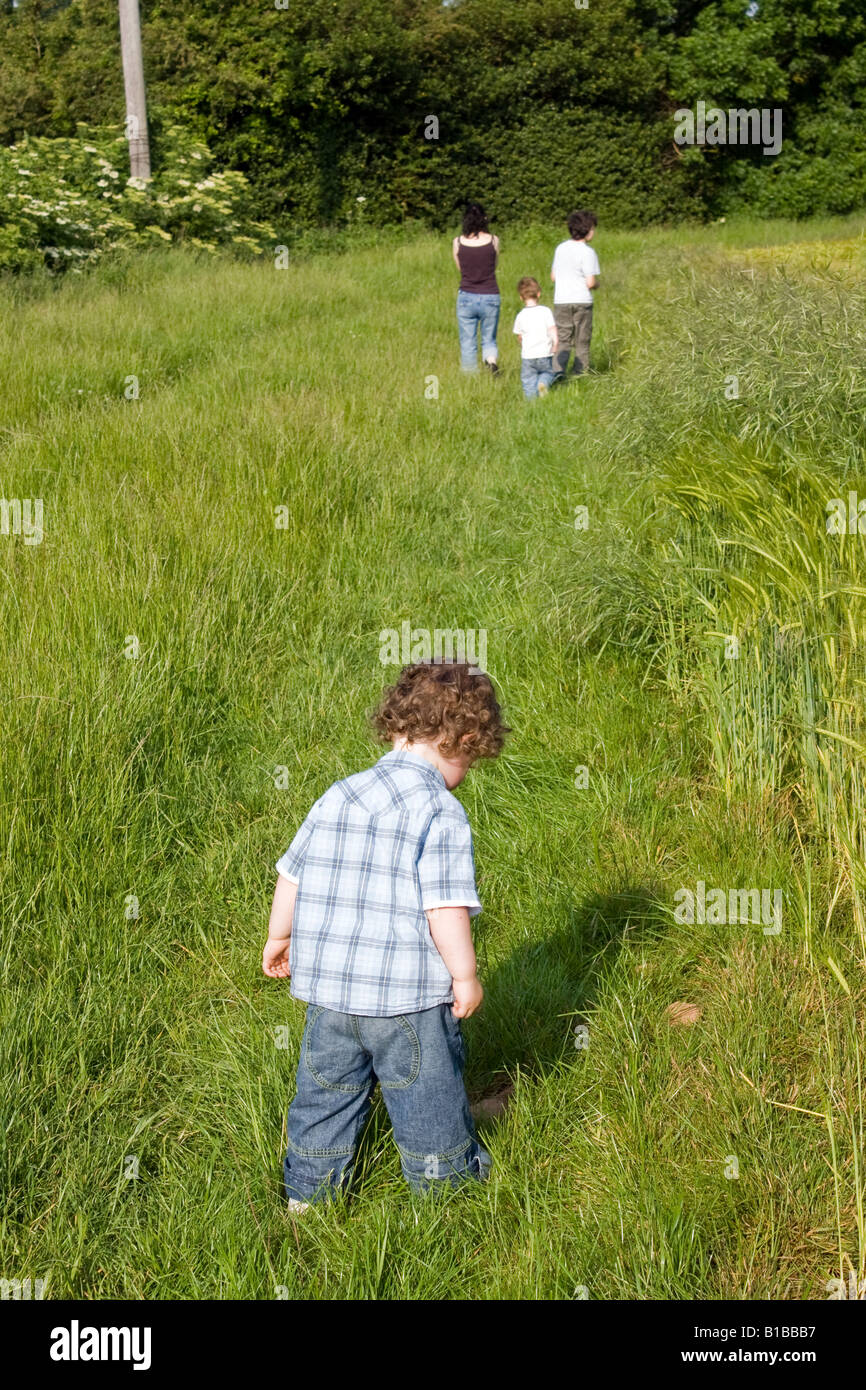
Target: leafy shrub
x=67, y=201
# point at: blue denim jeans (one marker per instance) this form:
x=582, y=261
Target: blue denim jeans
x=533, y=372
x=472, y=310
x=418, y=1061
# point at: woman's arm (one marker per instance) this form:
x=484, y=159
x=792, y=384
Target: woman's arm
x=455, y=243
x=496, y=249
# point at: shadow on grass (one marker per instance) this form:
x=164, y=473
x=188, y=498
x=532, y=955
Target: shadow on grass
x=537, y=997
x=533, y=1002
x=605, y=361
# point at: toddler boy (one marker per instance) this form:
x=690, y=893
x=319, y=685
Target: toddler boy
x=371, y=919
x=536, y=333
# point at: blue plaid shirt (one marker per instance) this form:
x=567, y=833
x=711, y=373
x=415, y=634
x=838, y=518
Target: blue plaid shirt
x=376, y=851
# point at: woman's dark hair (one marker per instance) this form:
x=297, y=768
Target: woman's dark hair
x=474, y=219
x=581, y=222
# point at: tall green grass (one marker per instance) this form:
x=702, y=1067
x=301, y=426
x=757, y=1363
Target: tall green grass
x=750, y=607
x=744, y=481
x=151, y=777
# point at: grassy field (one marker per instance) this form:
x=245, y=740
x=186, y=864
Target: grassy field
x=697, y=647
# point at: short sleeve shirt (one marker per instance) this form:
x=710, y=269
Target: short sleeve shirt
x=376, y=852
x=533, y=325
x=573, y=261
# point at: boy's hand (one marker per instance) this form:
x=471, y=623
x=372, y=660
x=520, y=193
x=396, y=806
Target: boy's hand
x=468, y=995
x=275, y=958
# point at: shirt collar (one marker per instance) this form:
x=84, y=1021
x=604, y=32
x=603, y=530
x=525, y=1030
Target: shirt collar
x=402, y=755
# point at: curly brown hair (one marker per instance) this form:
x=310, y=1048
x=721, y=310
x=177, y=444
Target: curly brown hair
x=447, y=702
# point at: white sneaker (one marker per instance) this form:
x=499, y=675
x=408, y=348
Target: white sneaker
x=295, y=1205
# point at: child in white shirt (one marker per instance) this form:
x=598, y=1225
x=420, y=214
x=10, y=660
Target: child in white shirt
x=536, y=333
x=575, y=275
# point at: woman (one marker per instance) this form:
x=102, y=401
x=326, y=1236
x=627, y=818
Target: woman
x=476, y=253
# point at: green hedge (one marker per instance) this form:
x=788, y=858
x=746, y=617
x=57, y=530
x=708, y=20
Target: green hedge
x=540, y=104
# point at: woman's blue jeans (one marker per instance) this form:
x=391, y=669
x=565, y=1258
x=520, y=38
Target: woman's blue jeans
x=474, y=310
x=418, y=1061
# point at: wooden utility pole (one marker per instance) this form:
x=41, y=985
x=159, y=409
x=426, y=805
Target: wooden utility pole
x=133, y=81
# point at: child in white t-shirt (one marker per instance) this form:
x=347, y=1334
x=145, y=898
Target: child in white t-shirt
x=536, y=333
x=575, y=275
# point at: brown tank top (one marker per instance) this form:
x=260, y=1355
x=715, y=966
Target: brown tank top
x=477, y=268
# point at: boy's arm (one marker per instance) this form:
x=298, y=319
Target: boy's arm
x=446, y=879
x=275, y=958
x=452, y=937
x=553, y=337
x=591, y=281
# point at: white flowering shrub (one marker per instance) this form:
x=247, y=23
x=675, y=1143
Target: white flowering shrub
x=65, y=202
